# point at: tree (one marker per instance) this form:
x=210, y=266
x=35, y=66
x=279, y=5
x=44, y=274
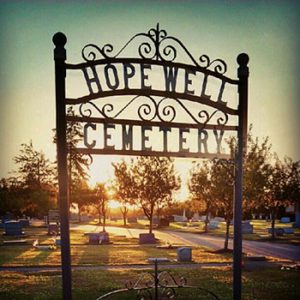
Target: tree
x=35, y=177
x=34, y=170
x=154, y=182
x=77, y=163
x=222, y=183
x=83, y=196
x=278, y=191
x=256, y=173
x=124, y=187
x=100, y=201
x=293, y=186
x=200, y=188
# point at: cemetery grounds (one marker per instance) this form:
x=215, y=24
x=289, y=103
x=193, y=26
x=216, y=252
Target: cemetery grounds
x=99, y=269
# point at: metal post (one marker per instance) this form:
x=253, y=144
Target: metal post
x=156, y=279
x=243, y=74
x=59, y=39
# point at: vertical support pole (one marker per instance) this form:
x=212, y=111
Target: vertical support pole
x=59, y=39
x=156, y=279
x=243, y=74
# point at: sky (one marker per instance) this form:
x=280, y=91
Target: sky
x=267, y=30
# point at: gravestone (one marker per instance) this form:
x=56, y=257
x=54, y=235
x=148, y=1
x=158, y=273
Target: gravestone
x=96, y=238
x=285, y=220
x=184, y=254
x=288, y=230
x=132, y=220
x=278, y=231
x=53, y=229
x=164, y=222
x=13, y=228
x=25, y=222
x=103, y=237
x=147, y=238
x=247, y=227
x=213, y=224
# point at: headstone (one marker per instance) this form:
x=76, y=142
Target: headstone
x=132, y=220
x=184, y=254
x=53, y=229
x=25, y=222
x=13, y=228
x=278, y=231
x=213, y=224
x=247, y=227
x=147, y=238
x=57, y=241
x=103, y=237
x=164, y=222
x=53, y=215
x=93, y=238
x=285, y=220
x=288, y=230
x=178, y=218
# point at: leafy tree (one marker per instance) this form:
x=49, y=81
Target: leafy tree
x=256, y=173
x=34, y=170
x=34, y=182
x=200, y=188
x=293, y=186
x=100, y=201
x=154, y=182
x=124, y=187
x=77, y=162
x=83, y=196
x=222, y=182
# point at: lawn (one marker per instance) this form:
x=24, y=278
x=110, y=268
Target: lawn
x=121, y=251
x=91, y=284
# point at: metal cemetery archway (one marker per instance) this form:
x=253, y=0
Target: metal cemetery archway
x=155, y=102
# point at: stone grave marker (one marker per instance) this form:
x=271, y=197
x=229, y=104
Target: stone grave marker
x=13, y=228
x=184, y=254
x=147, y=238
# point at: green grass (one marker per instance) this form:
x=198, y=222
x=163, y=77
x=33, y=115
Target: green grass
x=91, y=284
x=122, y=251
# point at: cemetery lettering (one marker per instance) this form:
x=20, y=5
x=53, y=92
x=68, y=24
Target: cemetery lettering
x=116, y=78
x=112, y=77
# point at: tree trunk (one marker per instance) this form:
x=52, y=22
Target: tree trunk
x=206, y=223
x=124, y=213
x=227, y=234
x=150, y=223
x=273, y=224
x=79, y=213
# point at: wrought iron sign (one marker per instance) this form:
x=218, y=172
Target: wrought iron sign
x=152, y=103
x=150, y=97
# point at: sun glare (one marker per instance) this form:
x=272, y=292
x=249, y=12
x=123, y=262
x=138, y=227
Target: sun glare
x=113, y=204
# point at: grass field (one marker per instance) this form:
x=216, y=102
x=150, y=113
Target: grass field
x=91, y=284
x=269, y=283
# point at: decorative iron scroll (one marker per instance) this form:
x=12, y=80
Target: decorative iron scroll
x=159, y=286
x=157, y=46
x=122, y=92
x=152, y=109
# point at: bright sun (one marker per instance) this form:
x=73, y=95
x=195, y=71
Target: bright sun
x=113, y=204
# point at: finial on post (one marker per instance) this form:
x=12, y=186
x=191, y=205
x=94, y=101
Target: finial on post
x=243, y=60
x=59, y=39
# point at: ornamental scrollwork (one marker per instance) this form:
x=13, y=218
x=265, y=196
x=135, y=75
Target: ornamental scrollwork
x=156, y=45
x=149, y=108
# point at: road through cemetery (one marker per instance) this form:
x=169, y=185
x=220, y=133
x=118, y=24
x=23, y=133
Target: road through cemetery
x=276, y=250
